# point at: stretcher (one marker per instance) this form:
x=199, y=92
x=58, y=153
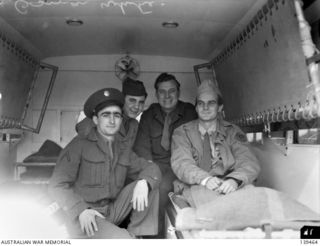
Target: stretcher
x=178, y=208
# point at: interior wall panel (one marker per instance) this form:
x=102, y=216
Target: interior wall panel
x=267, y=69
x=295, y=171
x=16, y=76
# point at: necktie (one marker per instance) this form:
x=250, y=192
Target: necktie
x=109, y=143
x=165, y=139
x=206, y=159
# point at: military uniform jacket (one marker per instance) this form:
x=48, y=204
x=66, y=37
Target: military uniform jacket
x=85, y=172
x=148, y=140
x=235, y=159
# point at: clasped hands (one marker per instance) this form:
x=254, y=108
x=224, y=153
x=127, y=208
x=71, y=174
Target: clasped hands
x=221, y=186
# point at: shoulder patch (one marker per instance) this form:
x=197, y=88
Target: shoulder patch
x=241, y=137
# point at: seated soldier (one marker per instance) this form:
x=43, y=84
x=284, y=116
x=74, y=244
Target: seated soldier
x=211, y=152
x=88, y=180
x=153, y=139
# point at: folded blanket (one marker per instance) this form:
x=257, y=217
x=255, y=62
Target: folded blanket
x=48, y=152
x=249, y=207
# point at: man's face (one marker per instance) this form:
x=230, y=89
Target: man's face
x=108, y=120
x=207, y=107
x=167, y=95
x=133, y=105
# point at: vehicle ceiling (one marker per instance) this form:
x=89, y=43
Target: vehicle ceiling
x=135, y=27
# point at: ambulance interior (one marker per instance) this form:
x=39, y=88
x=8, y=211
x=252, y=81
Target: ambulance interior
x=263, y=54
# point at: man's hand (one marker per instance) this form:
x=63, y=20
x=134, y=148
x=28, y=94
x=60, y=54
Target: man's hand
x=213, y=183
x=88, y=222
x=228, y=186
x=140, y=195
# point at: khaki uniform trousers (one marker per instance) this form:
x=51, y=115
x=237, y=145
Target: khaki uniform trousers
x=141, y=223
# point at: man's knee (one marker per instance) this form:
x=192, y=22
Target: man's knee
x=167, y=182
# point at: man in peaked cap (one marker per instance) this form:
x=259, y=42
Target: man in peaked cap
x=134, y=99
x=210, y=154
x=88, y=182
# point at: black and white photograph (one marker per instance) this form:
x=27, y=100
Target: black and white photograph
x=159, y=120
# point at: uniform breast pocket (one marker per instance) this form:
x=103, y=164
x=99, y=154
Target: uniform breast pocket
x=121, y=173
x=93, y=173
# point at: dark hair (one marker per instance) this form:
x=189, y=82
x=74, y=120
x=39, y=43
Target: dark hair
x=163, y=77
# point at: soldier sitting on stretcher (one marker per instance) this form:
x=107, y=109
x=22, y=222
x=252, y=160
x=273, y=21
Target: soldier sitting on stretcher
x=209, y=152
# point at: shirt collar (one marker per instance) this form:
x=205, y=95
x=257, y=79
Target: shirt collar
x=221, y=124
x=203, y=131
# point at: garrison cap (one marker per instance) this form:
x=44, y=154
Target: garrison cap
x=209, y=87
x=133, y=88
x=101, y=99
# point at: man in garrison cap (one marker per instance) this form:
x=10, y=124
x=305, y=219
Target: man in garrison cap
x=209, y=152
x=135, y=96
x=88, y=182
